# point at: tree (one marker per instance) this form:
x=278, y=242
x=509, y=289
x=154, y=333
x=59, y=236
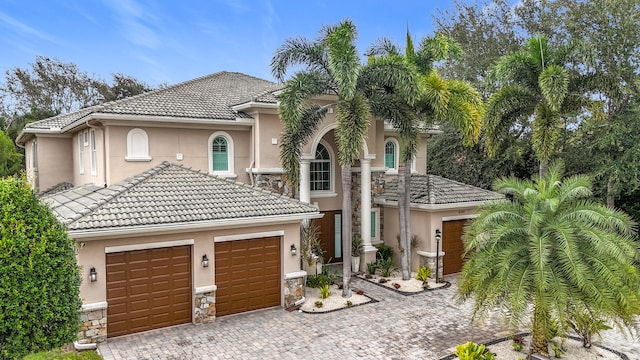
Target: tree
x=10, y=159
x=122, y=86
x=537, y=91
x=39, y=277
x=550, y=246
x=439, y=101
x=331, y=65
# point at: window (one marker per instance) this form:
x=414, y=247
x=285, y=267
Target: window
x=320, y=170
x=137, y=145
x=94, y=153
x=80, y=153
x=391, y=155
x=85, y=135
x=221, y=154
x=375, y=225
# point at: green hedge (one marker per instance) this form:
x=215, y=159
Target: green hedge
x=39, y=276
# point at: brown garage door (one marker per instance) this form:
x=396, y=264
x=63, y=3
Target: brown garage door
x=247, y=275
x=452, y=246
x=148, y=289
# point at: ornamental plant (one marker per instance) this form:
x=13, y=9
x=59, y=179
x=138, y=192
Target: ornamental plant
x=39, y=276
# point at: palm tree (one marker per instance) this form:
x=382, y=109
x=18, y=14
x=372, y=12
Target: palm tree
x=439, y=101
x=331, y=65
x=537, y=90
x=549, y=246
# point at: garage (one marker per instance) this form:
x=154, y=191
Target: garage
x=452, y=246
x=148, y=289
x=247, y=275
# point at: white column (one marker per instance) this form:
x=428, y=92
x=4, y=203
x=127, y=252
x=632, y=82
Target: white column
x=305, y=186
x=365, y=204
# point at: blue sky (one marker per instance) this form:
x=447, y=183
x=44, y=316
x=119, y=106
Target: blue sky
x=163, y=41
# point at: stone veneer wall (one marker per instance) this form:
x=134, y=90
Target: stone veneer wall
x=428, y=260
x=293, y=287
x=93, y=326
x=274, y=183
x=205, y=307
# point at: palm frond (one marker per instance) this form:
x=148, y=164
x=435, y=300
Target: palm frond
x=298, y=51
x=554, y=84
x=382, y=47
x=546, y=129
x=343, y=59
x=352, y=119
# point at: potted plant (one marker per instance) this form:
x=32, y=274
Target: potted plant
x=356, y=251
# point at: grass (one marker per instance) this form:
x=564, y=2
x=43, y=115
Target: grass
x=60, y=355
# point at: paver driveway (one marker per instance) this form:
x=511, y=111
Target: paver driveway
x=421, y=326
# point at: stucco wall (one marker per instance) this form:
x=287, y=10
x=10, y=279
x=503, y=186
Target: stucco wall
x=91, y=253
x=424, y=224
x=166, y=143
x=55, y=160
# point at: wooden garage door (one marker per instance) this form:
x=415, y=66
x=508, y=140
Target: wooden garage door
x=452, y=246
x=148, y=289
x=247, y=275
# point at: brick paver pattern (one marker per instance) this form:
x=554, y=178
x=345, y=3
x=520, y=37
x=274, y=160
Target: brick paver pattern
x=423, y=326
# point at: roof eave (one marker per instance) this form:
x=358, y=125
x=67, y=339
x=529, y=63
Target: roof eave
x=434, y=207
x=162, y=119
x=128, y=231
x=253, y=104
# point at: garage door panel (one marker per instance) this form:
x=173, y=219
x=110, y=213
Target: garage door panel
x=148, y=289
x=453, y=246
x=248, y=275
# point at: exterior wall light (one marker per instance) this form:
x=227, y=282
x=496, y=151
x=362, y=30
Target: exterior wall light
x=205, y=261
x=294, y=251
x=93, y=275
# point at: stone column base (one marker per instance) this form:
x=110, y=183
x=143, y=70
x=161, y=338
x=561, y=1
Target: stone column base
x=428, y=260
x=93, y=326
x=293, y=287
x=205, y=304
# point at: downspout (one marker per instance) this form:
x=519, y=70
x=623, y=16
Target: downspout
x=104, y=151
x=253, y=154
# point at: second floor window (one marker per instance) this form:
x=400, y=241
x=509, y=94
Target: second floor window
x=94, y=152
x=390, y=155
x=220, y=149
x=137, y=145
x=80, y=153
x=320, y=170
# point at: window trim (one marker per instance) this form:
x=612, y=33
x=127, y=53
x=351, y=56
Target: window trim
x=137, y=157
x=396, y=155
x=80, y=153
x=332, y=176
x=230, y=172
x=376, y=239
x=94, y=152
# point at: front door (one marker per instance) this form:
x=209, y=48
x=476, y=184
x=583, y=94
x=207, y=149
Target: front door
x=331, y=235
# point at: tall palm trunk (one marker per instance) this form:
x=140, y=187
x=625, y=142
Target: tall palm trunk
x=544, y=165
x=611, y=196
x=539, y=338
x=346, y=230
x=404, y=189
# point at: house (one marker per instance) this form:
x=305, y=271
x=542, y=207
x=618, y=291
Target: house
x=177, y=202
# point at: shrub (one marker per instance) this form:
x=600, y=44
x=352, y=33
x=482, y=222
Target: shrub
x=384, y=252
x=318, y=304
x=386, y=267
x=372, y=267
x=324, y=291
x=473, y=351
x=423, y=273
x=39, y=276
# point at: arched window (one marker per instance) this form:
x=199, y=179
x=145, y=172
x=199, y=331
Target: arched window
x=390, y=155
x=320, y=170
x=137, y=145
x=221, y=154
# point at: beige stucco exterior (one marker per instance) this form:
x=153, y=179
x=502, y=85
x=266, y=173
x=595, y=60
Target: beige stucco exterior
x=424, y=223
x=92, y=252
x=49, y=160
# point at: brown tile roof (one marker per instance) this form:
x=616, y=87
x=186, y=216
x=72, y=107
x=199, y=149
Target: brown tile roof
x=207, y=97
x=436, y=190
x=168, y=194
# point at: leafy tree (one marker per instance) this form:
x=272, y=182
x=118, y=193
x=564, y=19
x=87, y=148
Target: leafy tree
x=537, y=91
x=10, y=159
x=122, y=86
x=39, y=277
x=550, y=246
x=49, y=85
x=331, y=65
x=439, y=101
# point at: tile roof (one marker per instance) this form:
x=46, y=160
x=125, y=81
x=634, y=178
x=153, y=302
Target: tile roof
x=436, y=190
x=207, y=97
x=168, y=194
